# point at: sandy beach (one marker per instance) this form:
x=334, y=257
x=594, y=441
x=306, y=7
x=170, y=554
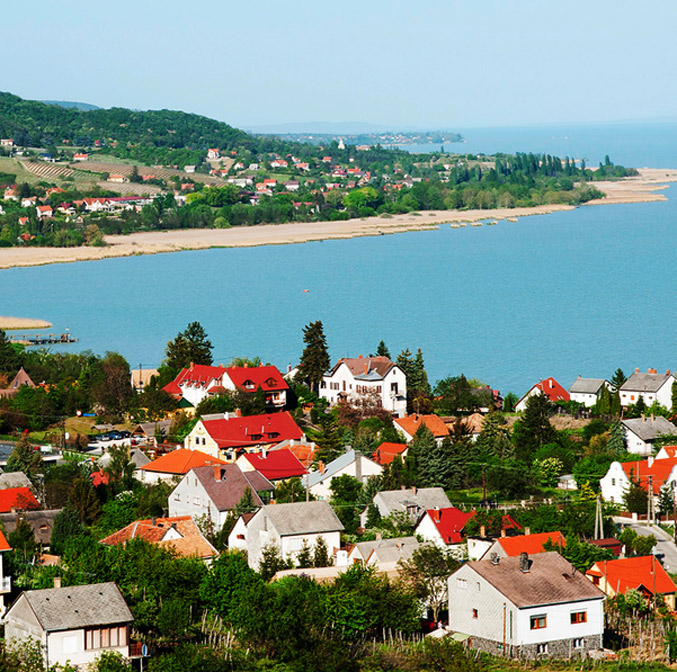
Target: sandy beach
x=641, y=189
x=8, y=323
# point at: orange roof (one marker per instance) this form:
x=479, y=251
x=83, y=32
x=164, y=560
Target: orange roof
x=4, y=546
x=387, y=451
x=530, y=543
x=189, y=543
x=670, y=450
x=639, y=471
x=21, y=499
x=642, y=572
x=181, y=461
x=411, y=423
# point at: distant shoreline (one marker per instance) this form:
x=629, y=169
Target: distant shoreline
x=15, y=323
x=645, y=188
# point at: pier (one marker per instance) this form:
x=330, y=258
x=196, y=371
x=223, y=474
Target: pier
x=43, y=339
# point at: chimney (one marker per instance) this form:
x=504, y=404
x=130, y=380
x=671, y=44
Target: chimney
x=320, y=467
x=57, y=582
x=366, y=367
x=636, y=370
x=483, y=531
x=653, y=371
x=667, y=373
x=174, y=525
x=494, y=558
x=503, y=532
x=192, y=365
x=414, y=489
x=361, y=356
x=649, y=461
x=524, y=562
x=403, y=487
x=358, y=467
x=153, y=521
x=217, y=472
x=238, y=413
x=527, y=530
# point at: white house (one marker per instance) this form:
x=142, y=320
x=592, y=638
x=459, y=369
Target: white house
x=549, y=387
x=361, y=552
x=526, y=607
x=73, y=625
x=648, y=473
x=351, y=463
x=352, y=377
x=214, y=491
x=444, y=528
x=586, y=391
x=651, y=386
x=641, y=433
x=289, y=526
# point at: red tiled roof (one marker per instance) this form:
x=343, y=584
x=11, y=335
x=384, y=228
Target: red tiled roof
x=268, y=378
x=181, y=461
x=277, y=464
x=387, y=451
x=641, y=572
x=530, y=543
x=17, y=498
x=639, y=472
x=553, y=390
x=173, y=389
x=670, y=450
x=253, y=430
x=200, y=373
x=450, y=523
x=411, y=423
x=4, y=546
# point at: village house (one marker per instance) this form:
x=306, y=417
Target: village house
x=73, y=625
x=586, y=391
x=178, y=533
x=549, y=387
x=650, y=473
x=229, y=435
x=177, y=463
x=189, y=169
x=276, y=465
x=390, y=555
x=28, y=202
x=643, y=573
x=526, y=607
x=651, y=386
x=410, y=424
x=80, y=156
x=304, y=451
x=114, y=177
x=213, y=154
x=444, y=528
x=388, y=451
x=198, y=382
x=20, y=380
x=409, y=502
x=351, y=378
x=350, y=463
x=43, y=211
x=511, y=547
x=5, y=580
x=289, y=527
x=6, y=142
x=40, y=521
x=642, y=433
x=361, y=552
x=215, y=492
x=141, y=377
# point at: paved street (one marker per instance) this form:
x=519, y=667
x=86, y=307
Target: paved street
x=665, y=545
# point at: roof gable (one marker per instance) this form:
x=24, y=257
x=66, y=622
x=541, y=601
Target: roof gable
x=625, y=573
x=378, y=367
x=450, y=523
x=276, y=464
x=301, y=518
x=268, y=378
x=181, y=461
x=226, y=491
x=586, y=385
x=252, y=430
x=387, y=452
x=18, y=499
x=411, y=423
x=645, y=382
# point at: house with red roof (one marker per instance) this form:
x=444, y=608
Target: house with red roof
x=228, y=435
x=549, y=387
x=275, y=465
x=17, y=499
x=303, y=450
x=213, y=154
x=512, y=547
x=352, y=378
x=81, y=156
x=199, y=381
x=177, y=463
x=647, y=473
x=387, y=452
x=410, y=424
x=216, y=491
x=444, y=527
x=644, y=573
x=178, y=533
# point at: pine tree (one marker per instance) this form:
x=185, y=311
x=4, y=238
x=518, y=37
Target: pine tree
x=373, y=515
x=67, y=525
x=328, y=439
x=25, y=458
x=603, y=405
x=246, y=503
x=315, y=358
x=190, y=346
x=321, y=554
x=10, y=359
x=674, y=396
x=616, y=443
x=429, y=458
x=494, y=439
x=618, y=379
x=405, y=362
x=419, y=377
x=83, y=498
x=382, y=350
x=534, y=430
x=305, y=557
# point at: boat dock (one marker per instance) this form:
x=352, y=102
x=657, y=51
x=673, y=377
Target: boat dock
x=42, y=339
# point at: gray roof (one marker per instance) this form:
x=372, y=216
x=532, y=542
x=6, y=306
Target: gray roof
x=587, y=385
x=226, y=493
x=139, y=458
x=366, y=547
x=341, y=462
x=41, y=523
x=148, y=428
x=421, y=498
x=402, y=549
x=645, y=382
x=550, y=580
x=78, y=606
x=649, y=429
x=302, y=518
x=15, y=479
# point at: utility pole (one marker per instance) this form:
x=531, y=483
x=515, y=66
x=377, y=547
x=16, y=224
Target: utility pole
x=650, y=504
x=484, y=485
x=599, y=521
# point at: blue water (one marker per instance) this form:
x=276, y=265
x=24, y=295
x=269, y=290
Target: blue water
x=569, y=293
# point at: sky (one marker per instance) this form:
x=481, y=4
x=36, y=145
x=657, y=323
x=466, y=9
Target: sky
x=437, y=64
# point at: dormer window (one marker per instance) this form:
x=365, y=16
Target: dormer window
x=270, y=382
x=248, y=385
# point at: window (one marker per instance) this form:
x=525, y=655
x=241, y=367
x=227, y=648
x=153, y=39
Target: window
x=539, y=621
x=393, y=387
x=462, y=584
x=478, y=586
x=541, y=648
x=613, y=481
x=475, y=613
x=102, y=638
x=595, y=580
x=177, y=497
x=579, y=616
x=578, y=643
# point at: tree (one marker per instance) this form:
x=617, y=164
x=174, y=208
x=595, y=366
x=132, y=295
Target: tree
x=114, y=393
x=666, y=500
x=291, y=490
x=382, y=350
x=328, y=439
x=246, y=503
x=345, y=495
x=616, y=443
x=321, y=553
x=84, y=500
x=580, y=554
x=10, y=359
x=315, y=358
x=22, y=541
x=67, y=524
x=271, y=562
x=305, y=557
x=635, y=497
x=533, y=430
x=24, y=457
x=427, y=573
x=120, y=469
x=494, y=439
x=427, y=460
x=618, y=379
x=674, y=396
x=190, y=346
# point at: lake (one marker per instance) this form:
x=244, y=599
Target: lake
x=569, y=293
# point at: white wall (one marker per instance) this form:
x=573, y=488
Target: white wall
x=585, y=398
x=636, y=445
x=614, y=483
x=190, y=498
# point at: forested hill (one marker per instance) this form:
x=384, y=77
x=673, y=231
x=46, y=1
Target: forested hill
x=36, y=124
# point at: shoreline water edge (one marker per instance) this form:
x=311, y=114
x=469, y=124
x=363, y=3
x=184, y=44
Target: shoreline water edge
x=645, y=188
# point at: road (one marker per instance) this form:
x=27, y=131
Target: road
x=665, y=545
